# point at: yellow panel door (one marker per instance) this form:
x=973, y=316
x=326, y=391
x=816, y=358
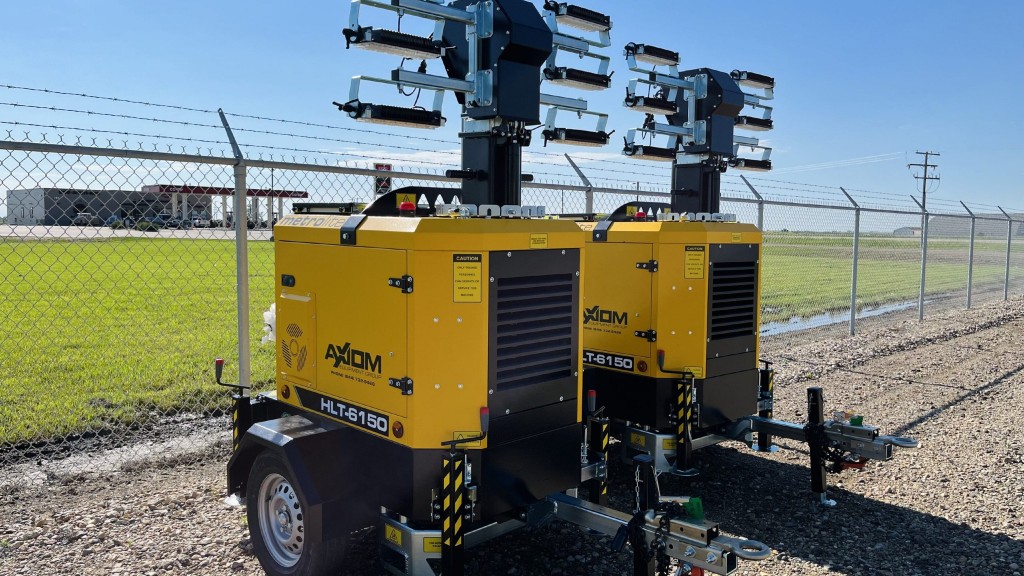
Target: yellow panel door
x=616, y=303
x=362, y=321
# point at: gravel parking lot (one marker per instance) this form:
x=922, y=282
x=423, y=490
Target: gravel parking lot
x=953, y=506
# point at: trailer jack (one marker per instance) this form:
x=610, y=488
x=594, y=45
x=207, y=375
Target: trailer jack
x=842, y=443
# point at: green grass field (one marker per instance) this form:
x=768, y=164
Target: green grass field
x=107, y=332
x=101, y=333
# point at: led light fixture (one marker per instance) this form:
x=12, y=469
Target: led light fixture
x=391, y=42
x=579, y=17
x=392, y=115
x=753, y=79
x=575, y=78
x=656, y=153
x=576, y=137
x=754, y=123
x=650, y=104
x=652, y=54
x=751, y=164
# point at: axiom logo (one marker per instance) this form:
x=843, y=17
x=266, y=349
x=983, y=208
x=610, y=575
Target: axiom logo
x=597, y=314
x=349, y=356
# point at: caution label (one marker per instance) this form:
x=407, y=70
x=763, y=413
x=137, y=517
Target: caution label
x=638, y=440
x=393, y=535
x=737, y=237
x=463, y=434
x=467, y=278
x=693, y=264
x=402, y=198
x=697, y=371
x=432, y=545
x=538, y=241
x=668, y=444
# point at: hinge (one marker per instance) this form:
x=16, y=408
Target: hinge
x=650, y=266
x=403, y=384
x=404, y=283
x=649, y=335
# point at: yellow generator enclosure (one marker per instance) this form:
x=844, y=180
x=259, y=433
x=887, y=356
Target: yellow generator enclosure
x=406, y=327
x=688, y=289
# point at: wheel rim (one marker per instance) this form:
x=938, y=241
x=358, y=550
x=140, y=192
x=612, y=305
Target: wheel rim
x=281, y=520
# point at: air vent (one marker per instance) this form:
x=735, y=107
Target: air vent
x=534, y=330
x=733, y=300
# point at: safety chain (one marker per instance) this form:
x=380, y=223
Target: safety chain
x=667, y=511
x=818, y=441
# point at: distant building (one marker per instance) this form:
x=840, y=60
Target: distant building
x=987, y=225
x=907, y=232
x=59, y=206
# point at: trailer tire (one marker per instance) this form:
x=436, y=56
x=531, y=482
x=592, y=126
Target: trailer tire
x=274, y=511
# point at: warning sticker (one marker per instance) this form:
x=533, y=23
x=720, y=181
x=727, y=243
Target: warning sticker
x=538, y=241
x=392, y=534
x=737, y=237
x=463, y=434
x=697, y=371
x=637, y=439
x=468, y=278
x=402, y=198
x=432, y=545
x=694, y=263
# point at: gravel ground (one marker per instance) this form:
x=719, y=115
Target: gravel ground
x=953, y=506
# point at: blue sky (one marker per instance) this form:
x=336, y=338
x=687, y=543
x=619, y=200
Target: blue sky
x=855, y=79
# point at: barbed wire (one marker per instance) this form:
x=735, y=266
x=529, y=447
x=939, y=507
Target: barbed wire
x=184, y=123
x=637, y=172
x=107, y=98
x=109, y=140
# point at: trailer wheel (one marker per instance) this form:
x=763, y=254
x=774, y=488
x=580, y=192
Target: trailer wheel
x=277, y=526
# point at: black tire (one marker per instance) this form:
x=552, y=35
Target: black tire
x=278, y=545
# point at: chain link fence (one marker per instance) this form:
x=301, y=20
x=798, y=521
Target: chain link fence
x=119, y=279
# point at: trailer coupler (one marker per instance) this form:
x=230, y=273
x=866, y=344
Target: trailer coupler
x=655, y=534
x=835, y=445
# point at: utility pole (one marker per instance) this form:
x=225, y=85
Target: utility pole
x=924, y=179
x=924, y=223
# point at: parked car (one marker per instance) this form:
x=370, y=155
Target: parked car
x=120, y=222
x=178, y=223
x=85, y=219
x=150, y=224
x=201, y=222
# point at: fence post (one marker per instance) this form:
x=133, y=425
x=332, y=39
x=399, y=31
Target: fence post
x=760, y=203
x=924, y=258
x=586, y=182
x=1009, y=243
x=242, y=260
x=856, y=257
x=970, y=256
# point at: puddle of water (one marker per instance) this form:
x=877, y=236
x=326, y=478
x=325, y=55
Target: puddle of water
x=797, y=323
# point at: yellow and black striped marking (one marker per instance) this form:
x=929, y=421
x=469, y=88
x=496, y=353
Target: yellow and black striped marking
x=600, y=433
x=235, y=436
x=684, y=422
x=452, y=527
